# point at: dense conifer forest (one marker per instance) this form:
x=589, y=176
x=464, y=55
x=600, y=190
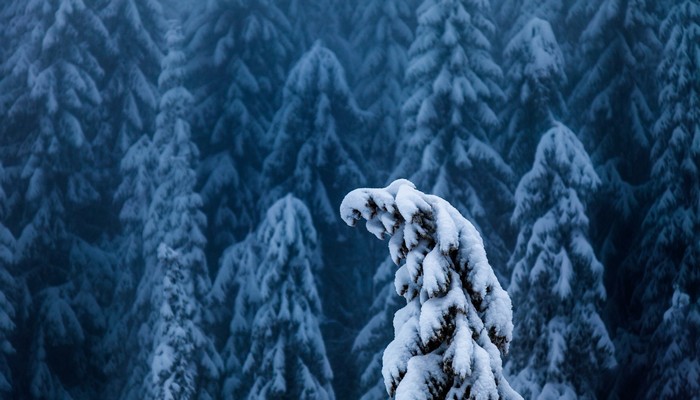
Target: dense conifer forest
x=171, y=175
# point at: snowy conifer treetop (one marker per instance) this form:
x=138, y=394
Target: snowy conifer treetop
x=457, y=321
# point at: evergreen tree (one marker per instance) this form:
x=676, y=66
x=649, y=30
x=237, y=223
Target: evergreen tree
x=453, y=84
x=236, y=284
x=175, y=220
x=174, y=366
x=449, y=338
x=130, y=91
x=535, y=74
x=561, y=345
x=668, y=251
x=8, y=288
x=247, y=45
x=314, y=155
x=376, y=335
x=50, y=82
x=384, y=30
x=287, y=357
x=613, y=51
x=675, y=368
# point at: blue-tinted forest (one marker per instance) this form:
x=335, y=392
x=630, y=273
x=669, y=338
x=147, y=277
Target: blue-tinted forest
x=171, y=174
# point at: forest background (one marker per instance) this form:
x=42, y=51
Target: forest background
x=568, y=132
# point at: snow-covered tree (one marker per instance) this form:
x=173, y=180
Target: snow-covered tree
x=173, y=370
x=236, y=284
x=613, y=53
x=457, y=322
x=453, y=83
x=675, y=368
x=287, y=357
x=383, y=33
x=668, y=251
x=52, y=67
x=316, y=136
x=243, y=50
x=8, y=286
x=535, y=75
x=377, y=333
x=130, y=91
x=561, y=346
x=315, y=153
x=175, y=220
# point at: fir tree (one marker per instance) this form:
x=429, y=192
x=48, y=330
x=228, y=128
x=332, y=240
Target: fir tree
x=535, y=75
x=8, y=288
x=675, y=367
x=448, y=114
x=247, y=45
x=287, y=355
x=314, y=154
x=449, y=338
x=376, y=334
x=561, y=345
x=668, y=251
x=130, y=91
x=384, y=31
x=174, y=220
x=612, y=53
x=174, y=367
x=50, y=97
x=236, y=284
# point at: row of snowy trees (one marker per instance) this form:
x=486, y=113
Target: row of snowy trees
x=169, y=196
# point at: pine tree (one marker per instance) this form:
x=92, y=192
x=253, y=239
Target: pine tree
x=561, y=346
x=612, y=54
x=668, y=251
x=450, y=336
x=174, y=366
x=50, y=82
x=675, y=368
x=248, y=46
x=535, y=75
x=316, y=136
x=287, y=355
x=236, y=284
x=314, y=155
x=130, y=90
x=8, y=288
x=376, y=334
x=384, y=31
x=448, y=114
x=174, y=220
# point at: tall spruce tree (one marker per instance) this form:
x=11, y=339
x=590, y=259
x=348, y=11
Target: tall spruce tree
x=130, y=91
x=383, y=33
x=176, y=221
x=668, y=251
x=675, y=367
x=456, y=324
x=314, y=153
x=561, y=346
x=453, y=84
x=287, y=357
x=316, y=136
x=52, y=71
x=377, y=333
x=8, y=293
x=248, y=46
x=534, y=75
x=613, y=51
